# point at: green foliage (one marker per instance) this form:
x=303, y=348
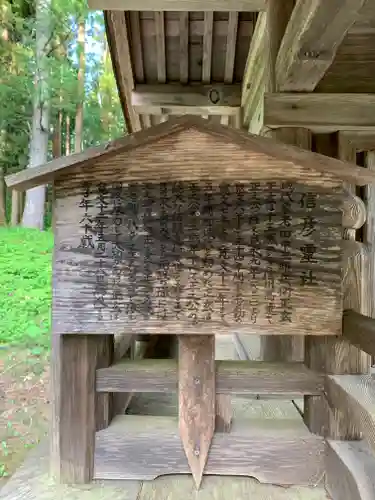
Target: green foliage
x=25, y=286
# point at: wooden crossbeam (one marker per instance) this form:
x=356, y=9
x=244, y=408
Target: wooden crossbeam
x=354, y=396
x=232, y=377
x=180, y=5
x=360, y=331
x=191, y=99
x=313, y=35
x=320, y=112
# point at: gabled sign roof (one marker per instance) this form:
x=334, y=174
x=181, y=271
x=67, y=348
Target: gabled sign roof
x=46, y=173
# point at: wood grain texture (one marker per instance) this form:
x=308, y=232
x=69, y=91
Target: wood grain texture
x=354, y=395
x=117, y=34
x=77, y=268
x=232, y=377
x=207, y=46
x=370, y=227
x=224, y=413
x=320, y=112
x=204, y=135
x=178, y=5
x=276, y=452
x=77, y=407
x=359, y=330
x=196, y=394
x=350, y=471
x=312, y=37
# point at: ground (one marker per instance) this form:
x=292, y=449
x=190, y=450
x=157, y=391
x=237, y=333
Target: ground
x=25, y=302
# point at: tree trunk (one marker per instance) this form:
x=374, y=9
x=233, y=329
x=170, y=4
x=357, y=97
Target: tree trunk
x=81, y=86
x=67, y=135
x=56, y=139
x=33, y=215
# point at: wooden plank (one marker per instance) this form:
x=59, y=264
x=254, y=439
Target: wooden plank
x=148, y=98
x=370, y=227
x=360, y=331
x=350, y=471
x=104, y=402
x=224, y=413
x=253, y=83
x=207, y=46
x=184, y=47
x=136, y=46
x=118, y=40
x=347, y=152
x=335, y=355
x=196, y=390
x=262, y=146
x=232, y=377
x=354, y=396
x=361, y=140
x=320, y=112
x=160, y=46
x=77, y=407
x=180, y=5
x=231, y=47
x=275, y=451
x=312, y=37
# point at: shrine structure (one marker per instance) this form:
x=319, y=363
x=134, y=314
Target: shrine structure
x=194, y=230
x=240, y=206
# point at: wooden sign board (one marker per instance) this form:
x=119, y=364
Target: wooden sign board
x=255, y=251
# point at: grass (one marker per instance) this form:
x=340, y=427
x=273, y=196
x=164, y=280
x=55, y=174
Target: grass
x=25, y=287
x=25, y=311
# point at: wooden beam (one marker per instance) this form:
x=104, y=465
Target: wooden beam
x=184, y=47
x=118, y=41
x=180, y=5
x=179, y=99
x=361, y=140
x=207, y=46
x=354, y=395
x=350, y=470
x=196, y=394
x=255, y=71
x=232, y=377
x=231, y=47
x=312, y=37
x=275, y=451
x=359, y=330
x=370, y=225
x=160, y=47
x=320, y=112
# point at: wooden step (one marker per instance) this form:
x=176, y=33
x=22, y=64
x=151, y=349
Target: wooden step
x=233, y=377
x=276, y=451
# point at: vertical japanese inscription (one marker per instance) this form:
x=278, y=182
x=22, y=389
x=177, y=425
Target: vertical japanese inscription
x=199, y=252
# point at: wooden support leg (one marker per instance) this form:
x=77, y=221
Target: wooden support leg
x=104, y=401
x=197, y=399
x=224, y=414
x=74, y=404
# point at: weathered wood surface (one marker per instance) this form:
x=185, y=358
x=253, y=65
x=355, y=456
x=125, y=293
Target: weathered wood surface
x=250, y=449
x=350, y=471
x=320, y=112
x=242, y=151
x=354, y=396
x=359, y=330
x=232, y=377
x=313, y=35
x=31, y=482
x=338, y=355
x=180, y=5
x=196, y=393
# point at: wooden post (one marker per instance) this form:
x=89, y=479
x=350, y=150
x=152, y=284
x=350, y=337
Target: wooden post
x=275, y=347
x=15, y=209
x=336, y=355
x=77, y=411
x=197, y=390
x=370, y=225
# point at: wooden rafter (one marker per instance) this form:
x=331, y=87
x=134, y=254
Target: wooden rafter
x=117, y=35
x=320, y=112
x=184, y=47
x=192, y=99
x=313, y=35
x=180, y=5
x=207, y=46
